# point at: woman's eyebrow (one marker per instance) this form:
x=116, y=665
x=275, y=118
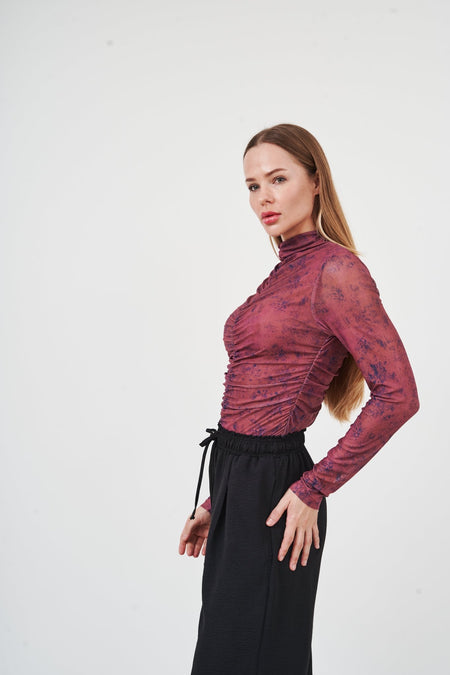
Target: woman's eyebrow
x=269, y=173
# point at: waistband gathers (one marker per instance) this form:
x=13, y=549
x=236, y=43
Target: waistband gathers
x=239, y=443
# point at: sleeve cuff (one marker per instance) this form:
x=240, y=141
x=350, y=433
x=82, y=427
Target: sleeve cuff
x=207, y=504
x=310, y=498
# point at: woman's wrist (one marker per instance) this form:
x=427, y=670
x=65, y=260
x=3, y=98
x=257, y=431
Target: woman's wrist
x=307, y=496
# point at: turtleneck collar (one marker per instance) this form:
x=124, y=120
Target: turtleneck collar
x=298, y=244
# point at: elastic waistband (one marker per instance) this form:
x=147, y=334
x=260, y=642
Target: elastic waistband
x=259, y=445
x=237, y=443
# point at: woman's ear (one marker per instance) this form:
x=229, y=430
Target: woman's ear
x=316, y=181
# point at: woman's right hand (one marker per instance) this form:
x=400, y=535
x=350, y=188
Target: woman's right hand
x=195, y=532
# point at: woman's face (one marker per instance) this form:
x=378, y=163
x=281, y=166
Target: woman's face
x=280, y=186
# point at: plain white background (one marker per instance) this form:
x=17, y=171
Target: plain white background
x=126, y=241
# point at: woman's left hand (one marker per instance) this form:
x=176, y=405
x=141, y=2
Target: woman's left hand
x=301, y=527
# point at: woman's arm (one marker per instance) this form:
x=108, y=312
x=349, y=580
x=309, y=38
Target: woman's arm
x=347, y=304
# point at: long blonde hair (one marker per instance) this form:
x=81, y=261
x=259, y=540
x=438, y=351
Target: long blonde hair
x=347, y=388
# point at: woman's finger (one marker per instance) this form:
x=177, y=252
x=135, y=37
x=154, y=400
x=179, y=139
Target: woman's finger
x=190, y=545
x=198, y=546
x=306, y=547
x=183, y=540
x=277, y=512
x=185, y=534
x=296, y=549
x=316, y=537
x=288, y=538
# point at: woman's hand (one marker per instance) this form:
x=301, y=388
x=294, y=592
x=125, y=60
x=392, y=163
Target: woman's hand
x=301, y=527
x=195, y=532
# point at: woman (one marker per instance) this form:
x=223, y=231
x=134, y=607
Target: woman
x=313, y=331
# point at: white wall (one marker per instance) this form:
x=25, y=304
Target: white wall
x=126, y=241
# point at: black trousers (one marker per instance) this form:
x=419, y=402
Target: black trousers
x=257, y=614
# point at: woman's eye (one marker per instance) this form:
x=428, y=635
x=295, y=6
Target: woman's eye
x=279, y=179
x=252, y=187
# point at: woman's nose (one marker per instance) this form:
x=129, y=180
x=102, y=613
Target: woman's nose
x=265, y=195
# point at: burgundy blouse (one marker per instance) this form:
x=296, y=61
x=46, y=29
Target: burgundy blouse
x=287, y=341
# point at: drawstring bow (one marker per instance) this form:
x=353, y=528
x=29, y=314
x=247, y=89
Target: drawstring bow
x=204, y=444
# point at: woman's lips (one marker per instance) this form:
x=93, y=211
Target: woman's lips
x=270, y=218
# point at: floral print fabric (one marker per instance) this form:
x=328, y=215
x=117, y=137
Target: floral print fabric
x=286, y=343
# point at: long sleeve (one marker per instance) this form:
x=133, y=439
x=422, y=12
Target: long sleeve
x=346, y=303
x=207, y=504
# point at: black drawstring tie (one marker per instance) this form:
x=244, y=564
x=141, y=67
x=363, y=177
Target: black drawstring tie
x=205, y=443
